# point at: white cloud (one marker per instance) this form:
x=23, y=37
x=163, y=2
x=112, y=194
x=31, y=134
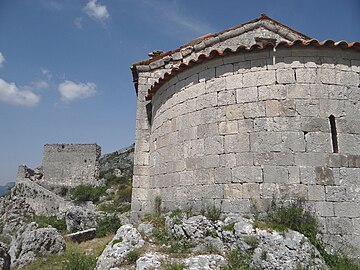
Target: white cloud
x=11, y=94
x=78, y=22
x=40, y=84
x=2, y=60
x=96, y=11
x=71, y=91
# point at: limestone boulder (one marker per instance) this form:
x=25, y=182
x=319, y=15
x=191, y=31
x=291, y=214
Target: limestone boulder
x=127, y=238
x=79, y=218
x=31, y=242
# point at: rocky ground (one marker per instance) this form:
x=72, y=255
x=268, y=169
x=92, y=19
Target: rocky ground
x=181, y=242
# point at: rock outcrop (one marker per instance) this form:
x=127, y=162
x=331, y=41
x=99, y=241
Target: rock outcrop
x=209, y=245
x=31, y=242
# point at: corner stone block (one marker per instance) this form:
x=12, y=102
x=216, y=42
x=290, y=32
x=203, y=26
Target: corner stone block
x=248, y=174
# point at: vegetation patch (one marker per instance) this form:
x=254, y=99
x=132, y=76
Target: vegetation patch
x=44, y=221
x=174, y=266
x=84, y=193
x=211, y=212
x=107, y=225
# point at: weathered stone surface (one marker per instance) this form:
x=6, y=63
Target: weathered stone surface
x=31, y=242
x=79, y=219
x=127, y=238
x=5, y=259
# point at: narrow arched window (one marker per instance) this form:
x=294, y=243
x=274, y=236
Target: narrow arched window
x=334, y=140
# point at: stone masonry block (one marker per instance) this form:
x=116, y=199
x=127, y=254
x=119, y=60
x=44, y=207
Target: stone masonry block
x=251, y=190
x=229, y=127
x=226, y=98
x=275, y=174
x=269, y=190
x=233, y=191
x=272, y=108
x=214, y=145
x=347, y=78
x=349, y=176
x=323, y=209
x=272, y=92
x=316, y=193
x=335, y=194
x=318, y=142
x=349, y=143
x=347, y=209
x=335, y=160
x=223, y=175
x=207, y=130
x=215, y=85
x=258, y=78
x=324, y=176
x=244, y=159
x=285, y=76
x=245, y=174
x=186, y=178
x=236, y=143
x=293, y=141
x=306, y=75
x=204, y=176
x=234, y=81
x=265, y=142
x=314, y=124
x=210, y=161
x=206, y=101
x=353, y=161
x=254, y=109
x=236, y=206
x=310, y=159
x=336, y=225
x=248, y=94
x=327, y=75
x=246, y=125
x=228, y=160
x=234, y=112
x=274, y=158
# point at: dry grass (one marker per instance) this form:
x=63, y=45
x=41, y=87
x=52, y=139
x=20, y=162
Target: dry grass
x=56, y=262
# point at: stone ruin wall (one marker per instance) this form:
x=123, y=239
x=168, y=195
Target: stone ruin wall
x=70, y=165
x=239, y=130
x=41, y=200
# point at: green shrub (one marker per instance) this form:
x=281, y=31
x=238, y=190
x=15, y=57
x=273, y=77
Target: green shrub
x=107, y=225
x=157, y=208
x=132, y=256
x=251, y=240
x=294, y=216
x=211, y=212
x=228, y=227
x=79, y=261
x=87, y=193
x=44, y=221
x=238, y=260
x=115, y=207
x=175, y=266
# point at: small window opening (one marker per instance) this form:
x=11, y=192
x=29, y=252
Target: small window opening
x=62, y=146
x=333, y=134
x=149, y=112
x=85, y=160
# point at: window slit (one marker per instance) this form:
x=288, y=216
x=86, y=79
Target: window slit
x=334, y=139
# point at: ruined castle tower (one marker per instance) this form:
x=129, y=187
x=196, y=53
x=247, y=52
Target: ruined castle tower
x=251, y=113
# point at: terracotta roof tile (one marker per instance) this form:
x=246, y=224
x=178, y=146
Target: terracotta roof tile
x=217, y=53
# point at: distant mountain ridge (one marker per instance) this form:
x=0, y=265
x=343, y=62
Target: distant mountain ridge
x=6, y=188
x=120, y=162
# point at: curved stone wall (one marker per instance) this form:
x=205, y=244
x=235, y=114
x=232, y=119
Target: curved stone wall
x=237, y=130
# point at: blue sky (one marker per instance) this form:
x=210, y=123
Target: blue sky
x=65, y=64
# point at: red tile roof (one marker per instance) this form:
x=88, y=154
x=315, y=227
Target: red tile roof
x=218, y=53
